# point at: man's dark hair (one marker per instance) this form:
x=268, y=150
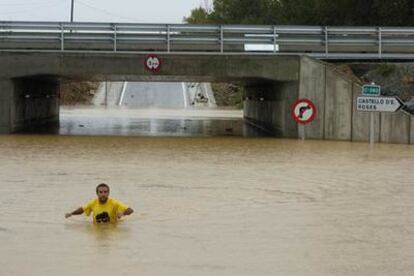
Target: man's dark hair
x=102, y=185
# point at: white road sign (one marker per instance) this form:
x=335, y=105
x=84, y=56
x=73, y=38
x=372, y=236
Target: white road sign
x=379, y=104
x=152, y=63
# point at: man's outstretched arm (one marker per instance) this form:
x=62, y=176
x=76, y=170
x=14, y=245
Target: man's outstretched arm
x=127, y=212
x=78, y=211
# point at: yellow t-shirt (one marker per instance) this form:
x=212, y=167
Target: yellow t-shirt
x=104, y=213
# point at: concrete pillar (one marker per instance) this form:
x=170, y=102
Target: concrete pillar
x=338, y=107
x=312, y=86
x=6, y=93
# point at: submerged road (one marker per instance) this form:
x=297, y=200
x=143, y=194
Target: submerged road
x=226, y=206
x=124, y=121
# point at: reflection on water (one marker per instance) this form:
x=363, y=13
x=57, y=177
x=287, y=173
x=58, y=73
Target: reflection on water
x=151, y=122
x=105, y=235
x=207, y=206
x=156, y=127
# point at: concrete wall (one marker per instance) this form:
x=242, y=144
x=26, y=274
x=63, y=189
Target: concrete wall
x=411, y=130
x=268, y=107
x=273, y=113
x=395, y=128
x=332, y=95
x=338, y=107
x=130, y=67
x=312, y=85
x=6, y=93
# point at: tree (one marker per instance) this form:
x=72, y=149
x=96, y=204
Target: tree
x=308, y=12
x=235, y=12
x=198, y=16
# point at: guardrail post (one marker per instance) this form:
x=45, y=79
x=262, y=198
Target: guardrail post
x=221, y=39
x=62, y=38
x=326, y=41
x=274, y=39
x=114, y=27
x=379, y=42
x=168, y=39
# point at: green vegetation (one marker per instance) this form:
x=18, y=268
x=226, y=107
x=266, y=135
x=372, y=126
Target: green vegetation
x=307, y=12
x=386, y=69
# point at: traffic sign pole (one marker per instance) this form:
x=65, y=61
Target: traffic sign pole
x=371, y=129
x=301, y=131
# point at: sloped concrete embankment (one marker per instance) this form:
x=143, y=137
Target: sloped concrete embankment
x=108, y=93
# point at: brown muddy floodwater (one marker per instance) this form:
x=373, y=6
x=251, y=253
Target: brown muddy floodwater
x=207, y=206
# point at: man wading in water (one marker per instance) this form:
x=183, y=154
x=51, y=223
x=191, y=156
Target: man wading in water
x=104, y=208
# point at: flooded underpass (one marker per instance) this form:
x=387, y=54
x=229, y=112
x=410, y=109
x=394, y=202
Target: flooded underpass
x=218, y=203
x=155, y=122
x=152, y=122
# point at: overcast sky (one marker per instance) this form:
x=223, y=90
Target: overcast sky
x=140, y=11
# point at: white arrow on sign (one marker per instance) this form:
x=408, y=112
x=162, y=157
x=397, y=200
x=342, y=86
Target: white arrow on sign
x=379, y=104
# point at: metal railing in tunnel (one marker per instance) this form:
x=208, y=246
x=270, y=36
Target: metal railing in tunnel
x=317, y=41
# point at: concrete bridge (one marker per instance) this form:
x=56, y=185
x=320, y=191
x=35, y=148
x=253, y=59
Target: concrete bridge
x=29, y=89
x=30, y=74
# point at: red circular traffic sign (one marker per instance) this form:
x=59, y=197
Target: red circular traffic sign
x=152, y=63
x=303, y=111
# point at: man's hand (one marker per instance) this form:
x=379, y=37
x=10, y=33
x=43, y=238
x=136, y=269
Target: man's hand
x=127, y=212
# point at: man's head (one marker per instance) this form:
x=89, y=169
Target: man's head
x=102, y=191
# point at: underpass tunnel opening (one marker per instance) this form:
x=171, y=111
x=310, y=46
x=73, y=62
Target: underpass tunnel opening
x=150, y=108
x=34, y=102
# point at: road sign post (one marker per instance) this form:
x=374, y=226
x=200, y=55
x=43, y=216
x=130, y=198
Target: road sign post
x=371, y=128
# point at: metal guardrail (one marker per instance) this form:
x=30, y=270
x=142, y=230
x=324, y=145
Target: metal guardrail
x=318, y=41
